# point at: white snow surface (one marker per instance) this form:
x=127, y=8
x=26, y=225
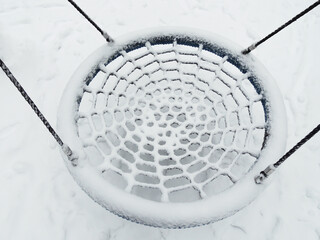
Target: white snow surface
x=43, y=42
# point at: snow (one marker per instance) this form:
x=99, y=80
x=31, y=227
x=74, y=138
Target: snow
x=43, y=42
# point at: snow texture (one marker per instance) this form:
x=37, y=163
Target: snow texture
x=43, y=42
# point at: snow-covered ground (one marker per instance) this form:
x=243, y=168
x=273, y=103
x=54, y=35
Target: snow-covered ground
x=43, y=41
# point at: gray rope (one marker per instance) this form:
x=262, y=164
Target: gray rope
x=254, y=45
x=271, y=168
x=65, y=148
x=103, y=33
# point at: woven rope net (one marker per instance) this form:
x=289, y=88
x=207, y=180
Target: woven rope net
x=171, y=122
x=171, y=126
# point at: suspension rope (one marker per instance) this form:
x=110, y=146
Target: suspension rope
x=254, y=45
x=271, y=168
x=71, y=156
x=103, y=33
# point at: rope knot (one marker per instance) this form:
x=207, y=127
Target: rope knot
x=73, y=157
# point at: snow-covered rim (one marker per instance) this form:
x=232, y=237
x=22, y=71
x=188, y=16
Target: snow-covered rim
x=174, y=215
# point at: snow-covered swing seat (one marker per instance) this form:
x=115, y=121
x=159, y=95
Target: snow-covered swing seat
x=171, y=126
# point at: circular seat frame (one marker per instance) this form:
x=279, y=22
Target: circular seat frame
x=189, y=47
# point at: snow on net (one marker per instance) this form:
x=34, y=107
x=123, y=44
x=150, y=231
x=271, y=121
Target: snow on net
x=171, y=122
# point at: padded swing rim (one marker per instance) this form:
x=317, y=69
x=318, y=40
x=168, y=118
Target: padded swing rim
x=174, y=215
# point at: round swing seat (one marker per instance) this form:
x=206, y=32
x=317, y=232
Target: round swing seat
x=171, y=127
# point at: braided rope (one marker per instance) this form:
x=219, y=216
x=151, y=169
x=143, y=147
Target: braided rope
x=103, y=33
x=65, y=148
x=271, y=168
x=254, y=45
